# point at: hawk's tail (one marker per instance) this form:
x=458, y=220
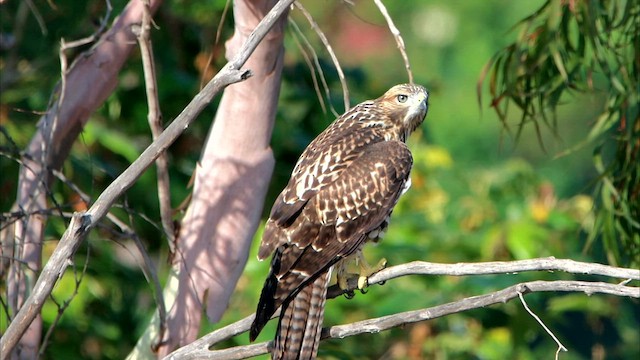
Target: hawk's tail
x=301, y=322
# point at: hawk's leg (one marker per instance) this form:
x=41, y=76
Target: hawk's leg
x=367, y=270
x=346, y=278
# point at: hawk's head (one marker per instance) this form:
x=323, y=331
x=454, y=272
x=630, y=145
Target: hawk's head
x=406, y=105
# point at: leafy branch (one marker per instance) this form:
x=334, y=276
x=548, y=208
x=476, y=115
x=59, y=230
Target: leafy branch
x=563, y=48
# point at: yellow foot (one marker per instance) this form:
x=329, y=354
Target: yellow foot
x=347, y=281
x=367, y=270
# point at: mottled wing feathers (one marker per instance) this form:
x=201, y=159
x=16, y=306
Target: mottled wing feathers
x=319, y=165
x=363, y=196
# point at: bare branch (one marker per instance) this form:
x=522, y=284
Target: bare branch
x=154, y=118
x=200, y=348
x=476, y=302
x=334, y=58
x=526, y=307
x=494, y=267
x=82, y=223
x=397, y=36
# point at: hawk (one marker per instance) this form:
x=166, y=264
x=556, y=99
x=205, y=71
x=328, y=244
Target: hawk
x=340, y=195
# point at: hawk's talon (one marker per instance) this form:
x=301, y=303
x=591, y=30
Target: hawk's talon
x=367, y=270
x=363, y=282
x=360, y=281
x=349, y=294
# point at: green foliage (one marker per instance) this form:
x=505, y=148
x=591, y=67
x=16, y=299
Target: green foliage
x=585, y=46
x=471, y=199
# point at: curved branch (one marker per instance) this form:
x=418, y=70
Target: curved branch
x=397, y=36
x=476, y=302
x=200, y=348
x=334, y=58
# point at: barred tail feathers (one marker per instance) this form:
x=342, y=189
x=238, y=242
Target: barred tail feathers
x=300, y=324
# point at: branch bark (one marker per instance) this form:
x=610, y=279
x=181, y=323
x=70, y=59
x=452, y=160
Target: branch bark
x=82, y=223
x=491, y=268
x=200, y=348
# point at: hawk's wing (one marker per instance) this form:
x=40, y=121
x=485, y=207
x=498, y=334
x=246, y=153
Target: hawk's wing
x=334, y=222
x=321, y=164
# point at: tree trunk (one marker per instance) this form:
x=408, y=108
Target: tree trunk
x=231, y=183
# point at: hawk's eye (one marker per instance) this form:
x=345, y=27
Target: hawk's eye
x=402, y=98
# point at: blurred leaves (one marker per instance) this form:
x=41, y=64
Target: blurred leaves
x=569, y=46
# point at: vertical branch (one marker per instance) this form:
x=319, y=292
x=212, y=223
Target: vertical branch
x=313, y=68
x=396, y=34
x=154, y=117
x=334, y=58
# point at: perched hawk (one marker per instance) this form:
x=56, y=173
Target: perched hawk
x=340, y=195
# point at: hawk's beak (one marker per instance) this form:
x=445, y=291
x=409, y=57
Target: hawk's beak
x=422, y=100
x=420, y=104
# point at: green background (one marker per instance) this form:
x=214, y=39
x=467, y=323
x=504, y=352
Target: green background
x=480, y=192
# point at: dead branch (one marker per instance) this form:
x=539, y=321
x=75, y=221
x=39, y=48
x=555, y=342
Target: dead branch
x=82, y=223
x=492, y=268
x=154, y=117
x=334, y=58
x=397, y=36
x=199, y=349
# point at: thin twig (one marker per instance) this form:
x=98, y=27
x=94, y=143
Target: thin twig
x=154, y=118
x=526, y=307
x=203, y=76
x=397, y=36
x=312, y=67
x=150, y=273
x=222, y=18
x=65, y=303
x=38, y=17
x=334, y=58
x=96, y=34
